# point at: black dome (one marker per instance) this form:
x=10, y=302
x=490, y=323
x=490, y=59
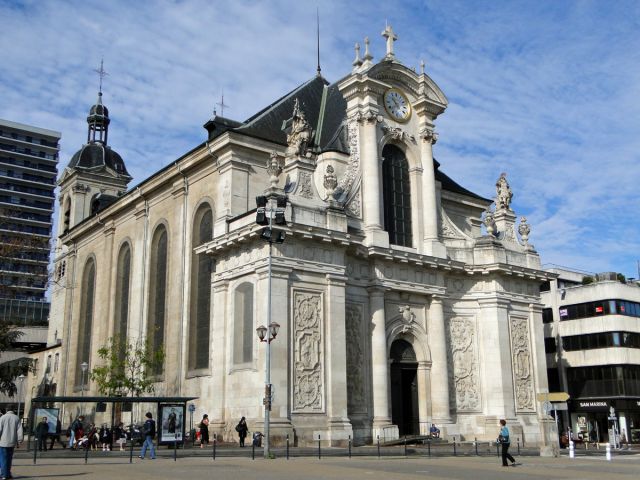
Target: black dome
x=99, y=109
x=97, y=156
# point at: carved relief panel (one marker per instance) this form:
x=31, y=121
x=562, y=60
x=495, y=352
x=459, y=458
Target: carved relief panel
x=521, y=360
x=355, y=359
x=308, y=387
x=463, y=358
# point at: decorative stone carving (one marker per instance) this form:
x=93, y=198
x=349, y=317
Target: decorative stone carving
x=330, y=181
x=521, y=359
x=307, y=364
x=354, y=207
x=489, y=222
x=524, y=230
x=80, y=188
x=503, y=193
x=464, y=360
x=305, y=190
x=353, y=168
x=355, y=359
x=428, y=135
x=300, y=135
x=397, y=133
x=274, y=169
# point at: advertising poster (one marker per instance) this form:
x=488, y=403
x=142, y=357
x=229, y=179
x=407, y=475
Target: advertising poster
x=171, y=426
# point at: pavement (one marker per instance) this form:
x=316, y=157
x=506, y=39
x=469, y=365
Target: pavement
x=310, y=468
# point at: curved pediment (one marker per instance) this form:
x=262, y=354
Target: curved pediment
x=419, y=85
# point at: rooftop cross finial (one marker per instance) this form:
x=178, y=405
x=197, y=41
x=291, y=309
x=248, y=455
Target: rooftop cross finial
x=422, y=67
x=367, y=55
x=391, y=37
x=222, y=105
x=101, y=73
x=357, y=62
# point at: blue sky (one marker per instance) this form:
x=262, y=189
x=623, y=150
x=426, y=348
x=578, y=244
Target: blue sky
x=547, y=91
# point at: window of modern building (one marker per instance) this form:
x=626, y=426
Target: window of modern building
x=553, y=377
x=592, y=341
x=547, y=315
x=604, y=381
x=85, y=322
x=243, y=337
x=123, y=279
x=396, y=189
x=157, y=292
x=201, y=270
x=545, y=286
x=598, y=308
x=550, y=345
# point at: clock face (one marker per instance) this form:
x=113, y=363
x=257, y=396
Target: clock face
x=397, y=105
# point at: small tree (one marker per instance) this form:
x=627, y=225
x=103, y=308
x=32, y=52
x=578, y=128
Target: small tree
x=11, y=369
x=128, y=366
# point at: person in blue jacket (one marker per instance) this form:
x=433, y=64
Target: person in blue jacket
x=503, y=439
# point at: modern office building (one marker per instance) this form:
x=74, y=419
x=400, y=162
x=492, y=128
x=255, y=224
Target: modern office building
x=28, y=170
x=592, y=342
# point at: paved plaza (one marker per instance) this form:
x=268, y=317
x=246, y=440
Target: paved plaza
x=370, y=468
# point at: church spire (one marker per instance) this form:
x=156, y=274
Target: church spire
x=98, y=118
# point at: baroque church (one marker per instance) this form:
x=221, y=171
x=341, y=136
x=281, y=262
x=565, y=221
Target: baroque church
x=402, y=298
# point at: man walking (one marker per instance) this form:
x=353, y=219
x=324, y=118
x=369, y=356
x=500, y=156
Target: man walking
x=149, y=431
x=9, y=423
x=42, y=431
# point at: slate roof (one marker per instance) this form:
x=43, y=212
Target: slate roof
x=96, y=155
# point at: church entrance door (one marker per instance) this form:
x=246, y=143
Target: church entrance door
x=404, y=388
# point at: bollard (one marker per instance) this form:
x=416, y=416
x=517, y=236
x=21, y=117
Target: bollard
x=175, y=447
x=497, y=449
x=429, y=447
x=378, y=446
x=287, y=446
x=454, y=446
x=405, y=445
x=319, y=451
x=215, y=441
x=253, y=451
x=519, y=445
x=608, y=452
x=35, y=452
x=131, y=451
x=571, y=449
x=86, y=453
x=475, y=443
x=349, y=446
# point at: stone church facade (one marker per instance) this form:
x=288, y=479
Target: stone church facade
x=403, y=299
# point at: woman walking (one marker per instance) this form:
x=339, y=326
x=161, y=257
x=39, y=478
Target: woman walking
x=204, y=430
x=503, y=438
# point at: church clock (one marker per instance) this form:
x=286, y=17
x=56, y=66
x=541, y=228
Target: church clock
x=397, y=105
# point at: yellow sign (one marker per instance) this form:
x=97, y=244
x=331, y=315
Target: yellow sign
x=553, y=397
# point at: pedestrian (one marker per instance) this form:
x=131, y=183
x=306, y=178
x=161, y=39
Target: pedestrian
x=42, y=430
x=120, y=435
x=149, y=432
x=56, y=436
x=105, y=438
x=10, y=436
x=204, y=430
x=76, y=430
x=503, y=438
x=242, y=430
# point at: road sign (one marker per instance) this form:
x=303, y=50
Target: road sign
x=547, y=407
x=192, y=407
x=553, y=397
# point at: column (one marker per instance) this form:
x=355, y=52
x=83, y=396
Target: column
x=424, y=402
x=432, y=245
x=440, y=372
x=371, y=183
x=336, y=358
x=379, y=361
x=217, y=356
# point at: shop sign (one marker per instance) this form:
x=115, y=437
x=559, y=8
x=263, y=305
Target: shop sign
x=592, y=405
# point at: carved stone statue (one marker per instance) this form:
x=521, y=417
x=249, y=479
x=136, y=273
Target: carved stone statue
x=489, y=222
x=300, y=134
x=330, y=181
x=504, y=193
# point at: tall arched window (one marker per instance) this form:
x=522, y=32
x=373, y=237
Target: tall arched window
x=123, y=278
x=396, y=191
x=243, y=324
x=201, y=269
x=85, y=324
x=157, y=292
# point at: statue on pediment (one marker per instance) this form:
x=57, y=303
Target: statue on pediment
x=504, y=193
x=300, y=135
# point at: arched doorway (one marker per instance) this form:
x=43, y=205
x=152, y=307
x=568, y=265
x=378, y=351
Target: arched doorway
x=404, y=388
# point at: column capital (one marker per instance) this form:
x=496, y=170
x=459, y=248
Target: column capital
x=376, y=290
x=429, y=135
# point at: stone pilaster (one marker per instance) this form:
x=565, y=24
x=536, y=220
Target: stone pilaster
x=431, y=243
x=218, y=355
x=424, y=402
x=379, y=363
x=440, y=370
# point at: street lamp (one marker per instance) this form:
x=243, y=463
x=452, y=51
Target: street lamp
x=21, y=381
x=84, y=366
x=265, y=215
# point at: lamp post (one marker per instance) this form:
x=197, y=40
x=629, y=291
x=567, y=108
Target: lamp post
x=84, y=366
x=269, y=333
x=21, y=381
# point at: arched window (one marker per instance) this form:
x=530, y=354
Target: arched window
x=123, y=278
x=243, y=324
x=396, y=191
x=85, y=324
x=201, y=269
x=157, y=292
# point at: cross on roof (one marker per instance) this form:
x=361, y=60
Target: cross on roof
x=391, y=37
x=101, y=72
x=222, y=105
